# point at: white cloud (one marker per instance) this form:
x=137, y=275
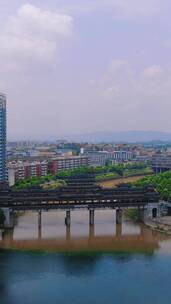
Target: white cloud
x=130, y=88
x=133, y=98
x=33, y=33
x=117, y=82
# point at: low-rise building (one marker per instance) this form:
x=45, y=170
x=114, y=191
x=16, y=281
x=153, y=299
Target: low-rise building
x=23, y=170
x=161, y=163
x=67, y=163
x=99, y=158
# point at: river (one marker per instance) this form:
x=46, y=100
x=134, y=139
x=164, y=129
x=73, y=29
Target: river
x=106, y=264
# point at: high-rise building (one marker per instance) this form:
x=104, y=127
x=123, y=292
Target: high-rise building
x=3, y=175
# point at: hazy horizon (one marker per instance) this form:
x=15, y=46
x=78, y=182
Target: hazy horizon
x=78, y=67
x=131, y=136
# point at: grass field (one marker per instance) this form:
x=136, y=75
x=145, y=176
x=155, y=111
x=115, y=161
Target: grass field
x=114, y=182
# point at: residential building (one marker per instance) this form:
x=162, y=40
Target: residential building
x=99, y=158
x=20, y=170
x=67, y=163
x=23, y=170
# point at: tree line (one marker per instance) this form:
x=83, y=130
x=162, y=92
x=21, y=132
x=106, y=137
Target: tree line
x=162, y=183
x=110, y=171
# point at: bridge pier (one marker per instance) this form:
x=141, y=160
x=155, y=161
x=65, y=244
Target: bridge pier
x=91, y=232
x=9, y=219
x=39, y=219
x=119, y=216
x=91, y=217
x=39, y=224
x=141, y=215
x=68, y=218
x=68, y=233
x=118, y=230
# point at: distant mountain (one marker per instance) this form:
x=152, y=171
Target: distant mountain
x=105, y=137
x=125, y=136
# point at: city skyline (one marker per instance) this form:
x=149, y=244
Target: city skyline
x=74, y=67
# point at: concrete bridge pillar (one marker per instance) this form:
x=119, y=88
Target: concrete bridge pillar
x=68, y=218
x=9, y=219
x=91, y=232
x=39, y=219
x=68, y=233
x=91, y=217
x=141, y=215
x=118, y=230
x=119, y=216
x=39, y=224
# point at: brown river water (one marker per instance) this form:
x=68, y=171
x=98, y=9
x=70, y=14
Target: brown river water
x=104, y=236
x=100, y=264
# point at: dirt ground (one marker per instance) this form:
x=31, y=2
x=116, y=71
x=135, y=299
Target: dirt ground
x=114, y=182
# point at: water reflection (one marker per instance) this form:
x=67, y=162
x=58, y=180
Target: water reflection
x=80, y=265
x=50, y=233
x=84, y=274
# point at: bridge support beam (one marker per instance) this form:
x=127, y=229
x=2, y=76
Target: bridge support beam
x=68, y=233
x=119, y=216
x=141, y=215
x=91, y=232
x=39, y=224
x=118, y=230
x=91, y=217
x=9, y=219
x=68, y=218
x=39, y=219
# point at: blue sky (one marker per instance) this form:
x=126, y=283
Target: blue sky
x=83, y=66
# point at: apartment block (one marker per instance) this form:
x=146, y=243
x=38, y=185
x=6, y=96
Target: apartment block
x=99, y=158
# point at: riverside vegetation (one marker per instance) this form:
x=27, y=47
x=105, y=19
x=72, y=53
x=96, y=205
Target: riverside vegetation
x=132, y=214
x=162, y=183
x=102, y=173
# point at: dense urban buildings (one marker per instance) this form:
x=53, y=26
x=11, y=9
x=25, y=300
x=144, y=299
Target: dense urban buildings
x=35, y=158
x=3, y=175
x=20, y=170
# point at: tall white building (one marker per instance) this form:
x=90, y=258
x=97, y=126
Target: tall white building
x=2, y=138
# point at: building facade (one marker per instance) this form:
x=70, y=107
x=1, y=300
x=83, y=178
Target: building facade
x=161, y=163
x=20, y=170
x=67, y=163
x=3, y=173
x=99, y=158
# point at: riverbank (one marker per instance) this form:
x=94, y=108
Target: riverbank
x=162, y=224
